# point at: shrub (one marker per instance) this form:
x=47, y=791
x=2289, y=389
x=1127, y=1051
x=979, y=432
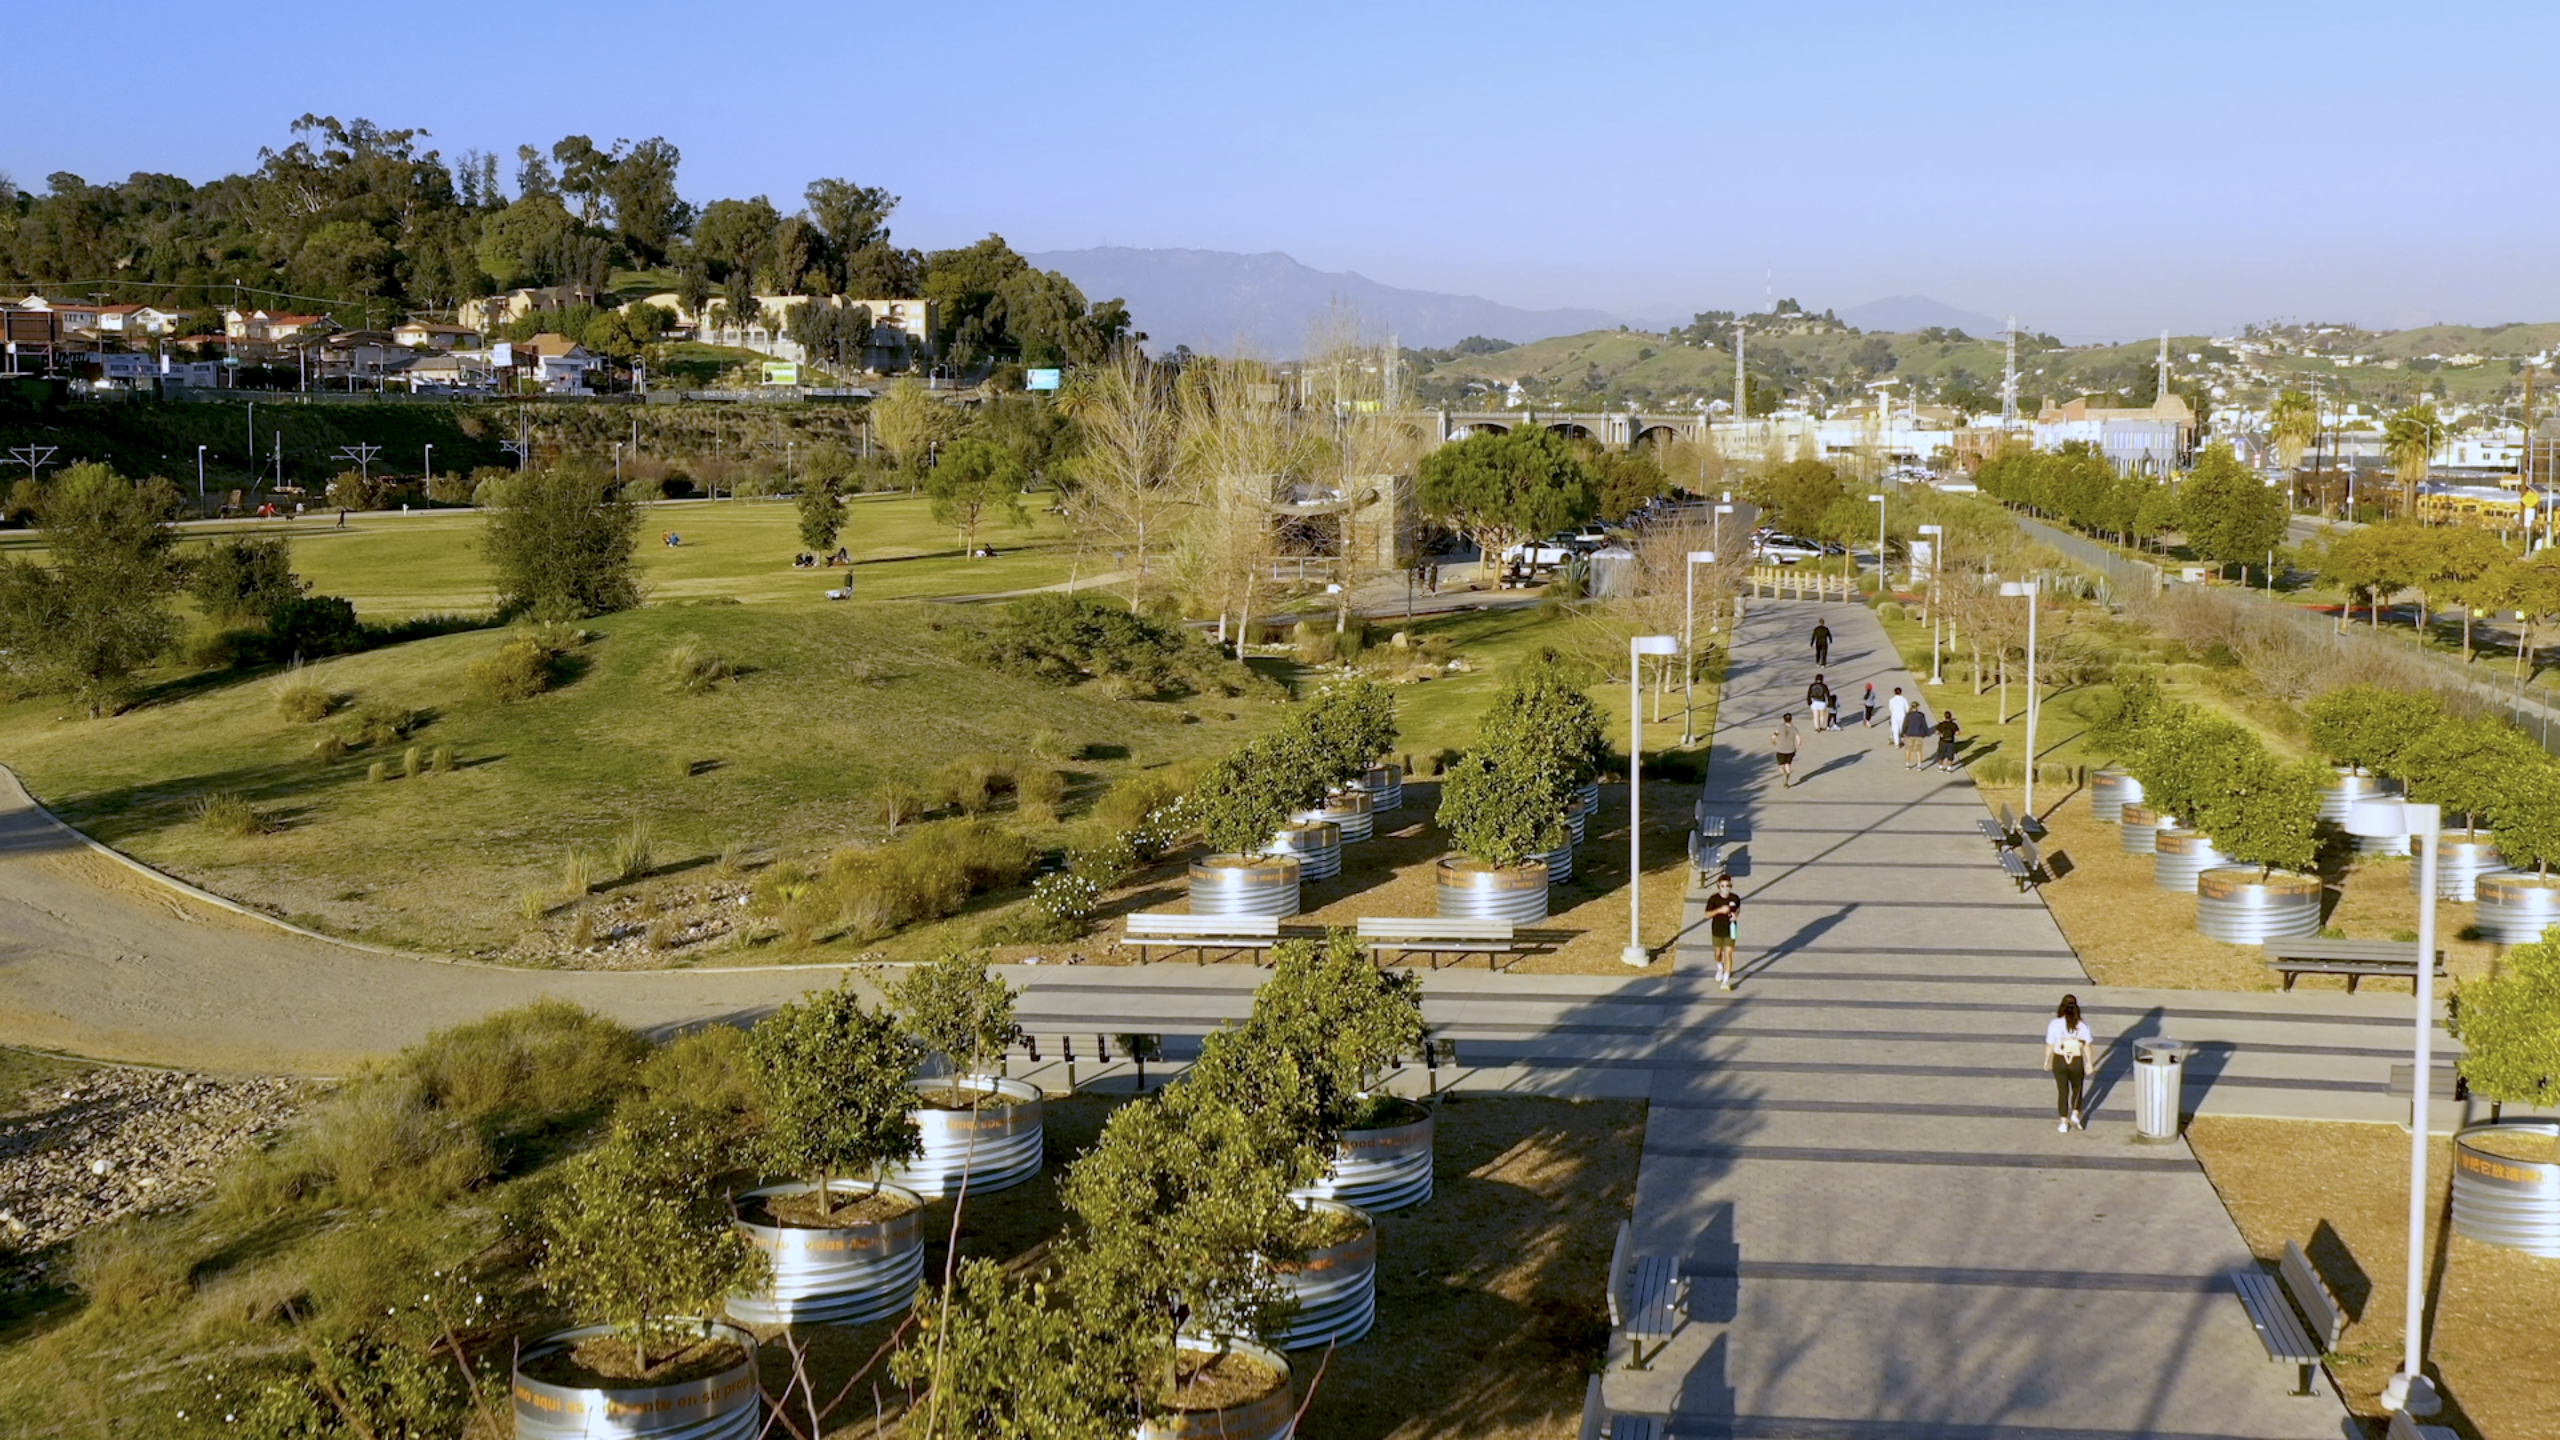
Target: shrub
x=301, y=700
x=562, y=543
x=127, y=1268
x=971, y=783
x=376, y=773
x=241, y=579
x=1042, y=786
x=312, y=626
x=378, y=723
x=228, y=812
x=1889, y=610
x=1104, y=864
x=929, y=873
x=1066, y=898
x=442, y=762
x=520, y=670
x=412, y=760
x=1067, y=638
x=691, y=668
x=2509, y=1026
x=329, y=749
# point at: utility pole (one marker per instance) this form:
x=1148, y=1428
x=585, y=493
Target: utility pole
x=2009, y=380
x=1741, y=391
x=363, y=456
x=34, y=457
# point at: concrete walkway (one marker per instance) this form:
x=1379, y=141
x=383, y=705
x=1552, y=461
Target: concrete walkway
x=1854, y=1157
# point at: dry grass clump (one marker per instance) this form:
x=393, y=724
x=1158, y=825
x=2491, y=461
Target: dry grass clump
x=519, y=671
x=634, y=852
x=972, y=783
x=229, y=813
x=930, y=873
x=301, y=699
x=692, y=668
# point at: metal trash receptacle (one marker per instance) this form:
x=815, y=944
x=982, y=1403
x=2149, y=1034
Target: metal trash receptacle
x=2159, y=1087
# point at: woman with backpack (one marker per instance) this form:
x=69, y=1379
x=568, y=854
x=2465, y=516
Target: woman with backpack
x=2067, y=1041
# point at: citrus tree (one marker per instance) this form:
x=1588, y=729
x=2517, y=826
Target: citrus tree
x=831, y=1080
x=2527, y=818
x=2466, y=766
x=1500, y=814
x=1348, y=725
x=2261, y=810
x=2509, y=1026
x=957, y=1008
x=2365, y=727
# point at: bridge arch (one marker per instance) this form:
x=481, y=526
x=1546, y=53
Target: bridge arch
x=1573, y=430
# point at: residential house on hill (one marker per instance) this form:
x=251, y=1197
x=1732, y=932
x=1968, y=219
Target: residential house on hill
x=2158, y=436
x=559, y=363
x=492, y=313
x=420, y=334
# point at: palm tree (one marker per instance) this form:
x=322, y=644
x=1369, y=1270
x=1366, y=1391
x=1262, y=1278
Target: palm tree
x=2293, y=424
x=2411, y=439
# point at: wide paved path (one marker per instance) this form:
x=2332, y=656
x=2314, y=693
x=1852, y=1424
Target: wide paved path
x=1854, y=1154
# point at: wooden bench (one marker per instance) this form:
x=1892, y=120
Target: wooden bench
x=1646, y=1297
x=1599, y=1422
x=2355, y=959
x=2298, y=1339
x=1385, y=935
x=2405, y=1426
x=1228, y=934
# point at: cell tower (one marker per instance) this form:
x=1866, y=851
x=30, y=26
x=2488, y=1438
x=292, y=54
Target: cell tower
x=2164, y=365
x=2009, y=380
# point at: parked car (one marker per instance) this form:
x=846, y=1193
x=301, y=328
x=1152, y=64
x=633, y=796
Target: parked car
x=1538, y=554
x=1785, y=549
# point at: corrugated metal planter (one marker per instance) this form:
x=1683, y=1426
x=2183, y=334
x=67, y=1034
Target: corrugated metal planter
x=1589, y=794
x=1336, y=1287
x=1315, y=844
x=2238, y=905
x=2349, y=790
x=2179, y=856
x=2516, y=906
x=1347, y=811
x=2110, y=790
x=1577, y=819
x=1559, y=863
x=847, y=1274
x=1268, y=1417
x=2463, y=857
x=2142, y=827
x=1384, y=785
x=1245, y=885
x=1385, y=1168
x=993, y=1147
x=2503, y=1199
x=1472, y=890
x=726, y=1406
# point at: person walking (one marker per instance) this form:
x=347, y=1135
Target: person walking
x=1947, y=731
x=1786, y=742
x=1724, y=917
x=1895, y=709
x=2067, y=1042
x=1817, y=698
x=1915, y=735
x=1821, y=643
x=1871, y=705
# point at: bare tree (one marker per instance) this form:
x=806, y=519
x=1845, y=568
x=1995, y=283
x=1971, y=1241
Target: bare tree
x=1129, y=496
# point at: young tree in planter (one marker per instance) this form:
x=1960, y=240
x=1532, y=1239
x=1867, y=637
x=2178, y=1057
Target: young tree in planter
x=2509, y=1026
x=1013, y=1357
x=1347, y=727
x=1544, y=724
x=2127, y=722
x=2189, y=751
x=2527, y=818
x=832, y=1079
x=1244, y=799
x=2260, y=810
x=1178, y=1206
x=635, y=1238
x=957, y=1009
x=1501, y=815
x=1324, y=1028
x=2365, y=727
x=2466, y=766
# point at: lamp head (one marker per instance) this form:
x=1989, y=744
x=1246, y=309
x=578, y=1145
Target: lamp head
x=1877, y=498
x=2017, y=589
x=1932, y=529
x=1654, y=645
x=1702, y=557
x=2386, y=818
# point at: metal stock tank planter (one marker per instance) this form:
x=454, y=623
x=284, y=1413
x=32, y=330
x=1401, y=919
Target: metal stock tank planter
x=1384, y=785
x=1348, y=811
x=1316, y=845
x=2142, y=827
x=2506, y=1185
x=2238, y=905
x=2516, y=906
x=1252, y=885
x=2179, y=856
x=1272, y=1415
x=1384, y=1163
x=1472, y=890
x=1589, y=794
x=2463, y=857
x=977, y=1129
x=723, y=1405
x=1577, y=819
x=2110, y=790
x=828, y=1272
x=1559, y=863
x=1336, y=1286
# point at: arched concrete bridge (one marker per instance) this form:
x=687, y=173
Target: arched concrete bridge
x=1617, y=429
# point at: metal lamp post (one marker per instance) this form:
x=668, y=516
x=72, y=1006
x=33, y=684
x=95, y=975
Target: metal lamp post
x=431, y=465
x=2409, y=1389
x=200, y=480
x=1638, y=647
x=2026, y=590
x=1938, y=533
x=1688, y=647
x=1878, y=501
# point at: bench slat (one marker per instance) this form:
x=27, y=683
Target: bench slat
x=1397, y=927
x=2378, y=952
x=1143, y=924
x=2279, y=1329
x=1656, y=1293
x=2405, y=1426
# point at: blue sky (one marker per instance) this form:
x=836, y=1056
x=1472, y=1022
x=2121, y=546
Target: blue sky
x=2096, y=170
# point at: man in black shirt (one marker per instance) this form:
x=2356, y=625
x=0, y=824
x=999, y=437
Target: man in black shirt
x=1821, y=643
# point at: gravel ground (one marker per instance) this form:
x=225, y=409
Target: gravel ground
x=112, y=1143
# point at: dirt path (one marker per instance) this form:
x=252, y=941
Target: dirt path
x=97, y=960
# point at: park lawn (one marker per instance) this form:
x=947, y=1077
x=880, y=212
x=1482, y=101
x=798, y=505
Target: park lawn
x=832, y=701
x=2342, y=1193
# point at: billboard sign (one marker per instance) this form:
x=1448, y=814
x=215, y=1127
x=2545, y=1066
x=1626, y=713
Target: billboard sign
x=781, y=372
x=1041, y=379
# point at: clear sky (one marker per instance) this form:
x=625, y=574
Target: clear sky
x=2094, y=169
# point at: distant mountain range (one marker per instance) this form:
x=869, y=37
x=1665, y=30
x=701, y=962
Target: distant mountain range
x=1214, y=300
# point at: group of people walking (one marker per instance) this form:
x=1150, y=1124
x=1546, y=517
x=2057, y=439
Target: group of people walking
x=1907, y=721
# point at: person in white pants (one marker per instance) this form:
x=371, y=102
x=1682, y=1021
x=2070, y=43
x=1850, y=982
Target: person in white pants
x=1894, y=709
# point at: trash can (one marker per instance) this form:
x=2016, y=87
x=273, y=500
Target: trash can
x=2159, y=1087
